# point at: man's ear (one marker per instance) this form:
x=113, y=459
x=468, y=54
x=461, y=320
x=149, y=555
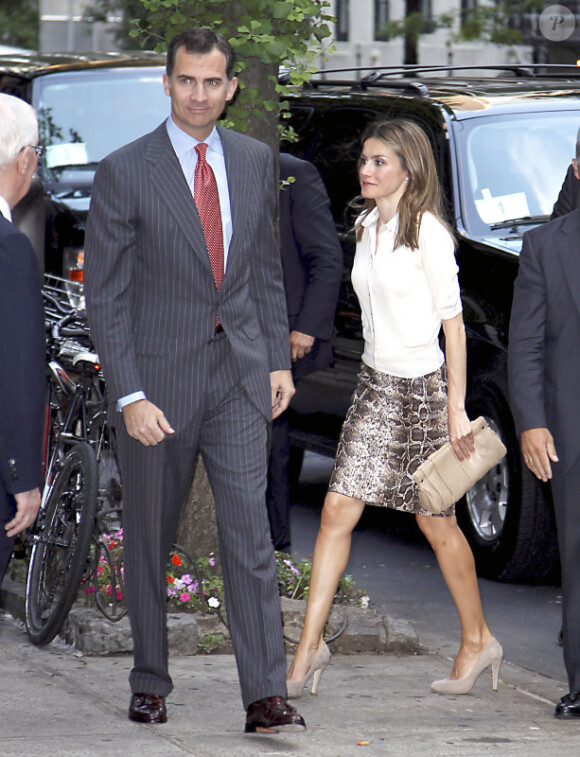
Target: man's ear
x=576, y=168
x=23, y=160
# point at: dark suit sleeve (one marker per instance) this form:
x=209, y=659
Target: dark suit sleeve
x=526, y=352
x=568, y=199
x=22, y=363
x=109, y=261
x=267, y=280
x=313, y=229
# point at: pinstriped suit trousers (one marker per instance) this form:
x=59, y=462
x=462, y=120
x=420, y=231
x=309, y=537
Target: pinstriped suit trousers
x=231, y=435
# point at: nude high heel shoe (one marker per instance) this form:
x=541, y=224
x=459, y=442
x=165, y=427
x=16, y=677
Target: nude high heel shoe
x=491, y=656
x=319, y=665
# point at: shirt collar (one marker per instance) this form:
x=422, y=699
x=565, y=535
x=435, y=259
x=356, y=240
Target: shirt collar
x=373, y=218
x=183, y=142
x=5, y=209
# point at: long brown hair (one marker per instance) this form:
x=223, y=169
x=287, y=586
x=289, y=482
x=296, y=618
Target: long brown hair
x=408, y=141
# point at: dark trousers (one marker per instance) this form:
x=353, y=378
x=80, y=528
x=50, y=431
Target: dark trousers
x=566, y=495
x=278, y=491
x=230, y=434
x=7, y=510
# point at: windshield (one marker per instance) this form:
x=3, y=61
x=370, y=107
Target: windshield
x=83, y=116
x=512, y=166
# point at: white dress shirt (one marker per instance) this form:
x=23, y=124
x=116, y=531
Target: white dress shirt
x=184, y=146
x=404, y=295
x=5, y=209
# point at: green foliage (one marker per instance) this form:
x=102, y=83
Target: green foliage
x=274, y=32
x=102, y=10
x=210, y=642
x=493, y=23
x=294, y=582
x=19, y=23
x=416, y=24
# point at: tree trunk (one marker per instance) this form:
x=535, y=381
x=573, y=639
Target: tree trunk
x=197, y=532
x=411, y=56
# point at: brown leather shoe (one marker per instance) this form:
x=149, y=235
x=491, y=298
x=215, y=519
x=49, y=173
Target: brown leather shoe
x=148, y=708
x=272, y=714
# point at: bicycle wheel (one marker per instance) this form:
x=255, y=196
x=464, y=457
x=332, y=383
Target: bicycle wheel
x=106, y=578
x=61, y=547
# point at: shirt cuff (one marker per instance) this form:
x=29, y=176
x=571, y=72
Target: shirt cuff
x=128, y=398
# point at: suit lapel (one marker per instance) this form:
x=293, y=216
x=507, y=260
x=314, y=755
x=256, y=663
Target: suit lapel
x=238, y=190
x=568, y=246
x=167, y=176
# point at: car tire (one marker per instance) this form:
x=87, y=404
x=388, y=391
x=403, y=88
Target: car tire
x=507, y=517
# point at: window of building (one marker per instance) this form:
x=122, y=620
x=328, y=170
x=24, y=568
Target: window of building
x=467, y=9
x=342, y=20
x=381, y=18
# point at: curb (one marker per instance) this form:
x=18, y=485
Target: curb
x=365, y=631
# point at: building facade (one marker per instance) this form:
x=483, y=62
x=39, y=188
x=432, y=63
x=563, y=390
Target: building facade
x=361, y=34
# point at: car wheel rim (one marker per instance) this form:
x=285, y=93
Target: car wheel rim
x=487, y=500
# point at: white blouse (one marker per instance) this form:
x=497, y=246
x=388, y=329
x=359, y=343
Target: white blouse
x=404, y=295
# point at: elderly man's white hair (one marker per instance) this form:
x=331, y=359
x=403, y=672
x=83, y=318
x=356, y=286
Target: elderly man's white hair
x=18, y=127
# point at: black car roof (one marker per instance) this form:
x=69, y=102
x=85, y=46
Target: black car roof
x=30, y=65
x=463, y=91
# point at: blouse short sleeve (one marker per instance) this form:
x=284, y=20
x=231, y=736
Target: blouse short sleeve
x=438, y=258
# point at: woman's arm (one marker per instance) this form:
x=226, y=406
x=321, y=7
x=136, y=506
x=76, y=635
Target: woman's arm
x=460, y=432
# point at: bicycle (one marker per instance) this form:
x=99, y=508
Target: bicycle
x=78, y=449
x=82, y=496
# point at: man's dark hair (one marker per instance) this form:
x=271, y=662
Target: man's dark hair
x=201, y=40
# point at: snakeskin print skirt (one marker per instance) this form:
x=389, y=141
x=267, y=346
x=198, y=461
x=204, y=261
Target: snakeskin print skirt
x=391, y=427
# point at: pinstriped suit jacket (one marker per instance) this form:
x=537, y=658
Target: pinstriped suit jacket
x=151, y=297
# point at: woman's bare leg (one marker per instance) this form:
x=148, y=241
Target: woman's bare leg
x=458, y=568
x=340, y=515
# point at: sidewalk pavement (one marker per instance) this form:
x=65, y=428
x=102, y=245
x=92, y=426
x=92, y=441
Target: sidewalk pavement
x=56, y=702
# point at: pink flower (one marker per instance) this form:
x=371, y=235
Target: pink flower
x=184, y=597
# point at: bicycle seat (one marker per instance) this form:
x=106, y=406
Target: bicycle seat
x=88, y=359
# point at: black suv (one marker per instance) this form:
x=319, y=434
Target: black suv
x=502, y=142
x=88, y=105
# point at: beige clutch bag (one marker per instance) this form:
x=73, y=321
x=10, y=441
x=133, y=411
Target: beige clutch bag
x=442, y=479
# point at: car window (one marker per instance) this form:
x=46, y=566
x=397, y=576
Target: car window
x=84, y=116
x=512, y=166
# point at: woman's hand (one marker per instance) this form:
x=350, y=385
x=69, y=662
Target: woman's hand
x=460, y=434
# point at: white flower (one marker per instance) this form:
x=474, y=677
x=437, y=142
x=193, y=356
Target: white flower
x=213, y=602
x=364, y=601
x=178, y=584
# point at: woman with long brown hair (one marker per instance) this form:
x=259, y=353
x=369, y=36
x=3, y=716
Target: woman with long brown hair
x=409, y=399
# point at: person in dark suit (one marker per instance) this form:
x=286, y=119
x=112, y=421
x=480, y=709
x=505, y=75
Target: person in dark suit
x=186, y=305
x=569, y=197
x=22, y=346
x=544, y=375
x=312, y=265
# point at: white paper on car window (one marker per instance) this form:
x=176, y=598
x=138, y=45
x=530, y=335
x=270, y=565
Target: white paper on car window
x=72, y=154
x=503, y=208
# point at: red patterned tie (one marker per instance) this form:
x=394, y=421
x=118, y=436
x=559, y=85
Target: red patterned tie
x=207, y=201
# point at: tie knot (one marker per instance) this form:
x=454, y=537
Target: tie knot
x=201, y=149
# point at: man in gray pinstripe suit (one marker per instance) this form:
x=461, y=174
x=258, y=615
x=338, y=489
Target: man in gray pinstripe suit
x=193, y=365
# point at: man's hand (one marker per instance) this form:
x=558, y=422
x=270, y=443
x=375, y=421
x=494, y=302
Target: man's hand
x=282, y=391
x=538, y=449
x=300, y=344
x=145, y=422
x=27, y=506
